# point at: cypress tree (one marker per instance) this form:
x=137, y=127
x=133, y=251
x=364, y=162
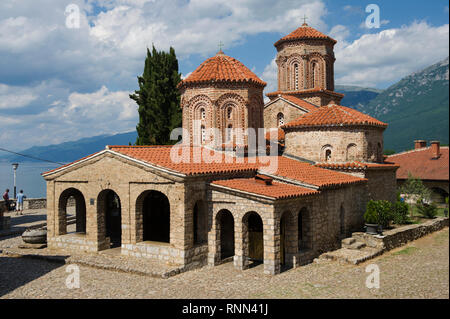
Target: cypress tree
x=158, y=98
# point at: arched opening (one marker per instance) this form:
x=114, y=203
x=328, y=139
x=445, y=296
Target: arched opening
x=155, y=210
x=342, y=220
x=438, y=195
x=200, y=223
x=313, y=74
x=71, y=202
x=225, y=228
x=304, y=230
x=296, y=76
x=327, y=155
x=253, y=225
x=280, y=119
x=229, y=133
x=229, y=113
x=108, y=206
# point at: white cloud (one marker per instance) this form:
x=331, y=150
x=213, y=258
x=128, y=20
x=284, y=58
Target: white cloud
x=15, y=97
x=386, y=56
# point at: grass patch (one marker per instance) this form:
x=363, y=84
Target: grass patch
x=406, y=251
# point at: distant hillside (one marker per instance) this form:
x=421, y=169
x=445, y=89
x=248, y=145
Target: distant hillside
x=417, y=107
x=357, y=97
x=71, y=151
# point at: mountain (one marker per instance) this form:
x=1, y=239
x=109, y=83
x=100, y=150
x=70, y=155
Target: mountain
x=71, y=151
x=357, y=97
x=416, y=107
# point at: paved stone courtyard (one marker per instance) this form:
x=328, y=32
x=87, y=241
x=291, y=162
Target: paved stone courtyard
x=417, y=270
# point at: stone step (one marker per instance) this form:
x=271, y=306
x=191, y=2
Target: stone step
x=348, y=241
x=351, y=256
x=356, y=245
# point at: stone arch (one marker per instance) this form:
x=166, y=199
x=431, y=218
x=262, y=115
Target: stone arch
x=288, y=237
x=326, y=153
x=352, y=152
x=316, y=71
x=109, y=214
x=238, y=106
x=253, y=237
x=68, y=195
x=294, y=72
x=153, y=213
x=195, y=120
x=200, y=223
x=304, y=229
x=225, y=234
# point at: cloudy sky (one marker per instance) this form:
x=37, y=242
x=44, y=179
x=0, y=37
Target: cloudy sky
x=60, y=82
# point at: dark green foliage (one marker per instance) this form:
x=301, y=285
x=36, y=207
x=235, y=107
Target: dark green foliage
x=388, y=152
x=378, y=212
x=158, y=98
x=427, y=210
x=414, y=186
x=400, y=212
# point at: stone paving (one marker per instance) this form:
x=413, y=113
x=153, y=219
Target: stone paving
x=418, y=270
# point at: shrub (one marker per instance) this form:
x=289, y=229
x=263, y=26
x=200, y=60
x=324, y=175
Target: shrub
x=427, y=210
x=378, y=212
x=400, y=213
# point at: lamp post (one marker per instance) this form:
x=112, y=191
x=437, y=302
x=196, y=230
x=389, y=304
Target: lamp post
x=15, y=165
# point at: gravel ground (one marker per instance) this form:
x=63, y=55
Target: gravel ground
x=417, y=270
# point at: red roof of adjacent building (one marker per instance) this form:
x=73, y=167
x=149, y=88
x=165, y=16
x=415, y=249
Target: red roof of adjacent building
x=222, y=68
x=420, y=164
x=278, y=136
x=276, y=190
x=313, y=90
x=335, y=115
x=304, y=32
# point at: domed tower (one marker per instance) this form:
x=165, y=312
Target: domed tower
x=305, y=62
x=221, y=97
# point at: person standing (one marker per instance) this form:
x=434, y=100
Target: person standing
x=6, y=199
x=20, y=198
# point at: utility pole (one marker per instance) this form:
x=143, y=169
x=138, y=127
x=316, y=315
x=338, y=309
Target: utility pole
x=15, y=165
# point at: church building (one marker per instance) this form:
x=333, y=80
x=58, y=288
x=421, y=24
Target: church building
x=219, y=196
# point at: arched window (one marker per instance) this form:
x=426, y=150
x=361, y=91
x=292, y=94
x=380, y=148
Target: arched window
x=202, y=113
x=229, y=113
x=327, y=155
x=203, y=133
x=280, y=119
x=314, y=68
x=296, y=76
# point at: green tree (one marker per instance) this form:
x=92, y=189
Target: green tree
x=414, y=190
x=158, y=98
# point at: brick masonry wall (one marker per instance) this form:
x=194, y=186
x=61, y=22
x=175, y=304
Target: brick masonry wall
x=311, y=143
x=289, y=111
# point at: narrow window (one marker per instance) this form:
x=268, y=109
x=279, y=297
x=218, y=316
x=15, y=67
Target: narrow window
x=229, y=113
x=228, y=133
x=203, y=132
x=296, y=76
x=327, y=155
x=280, y=119
x=314, y=75
x=203, y=114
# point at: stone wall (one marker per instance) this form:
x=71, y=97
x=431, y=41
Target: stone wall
x=346, y=144
x=289, y=111
x=400, y=236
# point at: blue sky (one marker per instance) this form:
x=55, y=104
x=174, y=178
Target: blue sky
x=59, y=83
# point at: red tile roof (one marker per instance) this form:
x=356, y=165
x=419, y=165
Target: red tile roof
x=334, y=115
x=279, y=136
x=222, y=68
x=313, y=90
x=421, y=165
x=304, y=32
x=295, y=170
x=196, y=161
x=355, y=165
x=300, y=102
x=276, y=190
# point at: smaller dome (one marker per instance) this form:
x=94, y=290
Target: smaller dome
x=222, y=68
x=304, y=32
